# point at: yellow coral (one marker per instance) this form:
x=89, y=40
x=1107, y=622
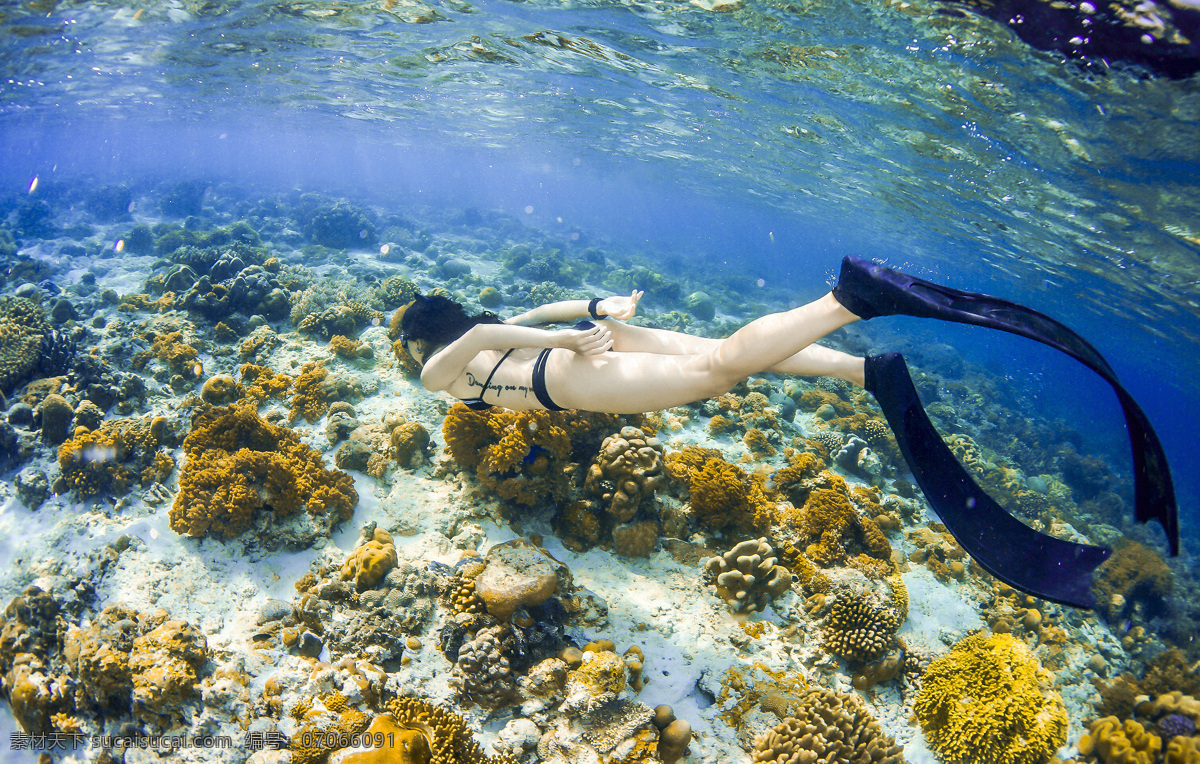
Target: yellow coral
x=1116, y=743
x=518, y=454
x=1134, y=573
x=833, y=524
x=719, y=424
x=722, y=495
x=111, y=459
x=345, y=347
x=408, y=440
x=858, y=630
x=91, y=463
x=626, y=472
x=987, y=702
x=177, y=354
x=826, y=727
x=23, y=328
x=262, y=383
x=758, y=444
x=237, y=463
x=1182, y=750
x=791, y=479
x=449, y=739
x=308, y=393
x=899, y=596
x=371, y=561
x=389, y=744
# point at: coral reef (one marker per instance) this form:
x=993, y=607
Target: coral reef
x=450, y=740
x=238, y=464
x=396, y=291
x=121, y=662
x=482, y=672
x=309, y=392
x=747, y=576
x=409, y=442
x=987, y=702
x=826, y=727
x=330, y=612
x=165, y=664
x=517, y=574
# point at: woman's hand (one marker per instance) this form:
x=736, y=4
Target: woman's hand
x=592, y=341
x=621, y=308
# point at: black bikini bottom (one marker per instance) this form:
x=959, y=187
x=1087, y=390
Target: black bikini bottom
x=539, y=374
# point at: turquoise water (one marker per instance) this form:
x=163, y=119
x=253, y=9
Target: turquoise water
x=768, y=140
x=751, y=148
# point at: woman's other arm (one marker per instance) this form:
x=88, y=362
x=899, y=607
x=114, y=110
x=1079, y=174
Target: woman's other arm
x=448, y=364
x=569, y=310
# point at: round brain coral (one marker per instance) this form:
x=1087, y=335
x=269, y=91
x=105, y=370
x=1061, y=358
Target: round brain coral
x=23, y=329
x=858, y=630
x=988, y=701
x=626, y=472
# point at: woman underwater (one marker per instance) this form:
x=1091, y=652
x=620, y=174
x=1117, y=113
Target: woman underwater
x=484, y=361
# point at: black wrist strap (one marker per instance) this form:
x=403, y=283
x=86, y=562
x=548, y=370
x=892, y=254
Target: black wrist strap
x=592, y=307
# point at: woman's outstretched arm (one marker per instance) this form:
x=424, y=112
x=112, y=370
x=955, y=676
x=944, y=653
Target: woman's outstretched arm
x=570, y=310
x=448, y=364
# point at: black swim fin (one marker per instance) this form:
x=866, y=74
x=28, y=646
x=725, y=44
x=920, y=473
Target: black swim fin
x=869, y=290
x=1013, y=552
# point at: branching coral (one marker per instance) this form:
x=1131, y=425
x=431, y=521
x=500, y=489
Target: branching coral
x=518, y=454
x=747, y=576
x=827, y=728
x=988, y=702
x=262, y=383
x=180, y=357
x=237, y=464
x=721, y=494
x=792, y=480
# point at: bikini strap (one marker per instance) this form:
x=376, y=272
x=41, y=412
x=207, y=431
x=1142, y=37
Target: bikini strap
x=503, y=358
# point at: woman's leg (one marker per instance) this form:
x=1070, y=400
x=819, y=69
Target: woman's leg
x=811, y=361
x=771, y=342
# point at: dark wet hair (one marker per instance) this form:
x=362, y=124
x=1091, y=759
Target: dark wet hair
x=437, y=321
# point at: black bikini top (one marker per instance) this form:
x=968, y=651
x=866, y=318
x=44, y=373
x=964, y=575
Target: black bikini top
x=479, y=404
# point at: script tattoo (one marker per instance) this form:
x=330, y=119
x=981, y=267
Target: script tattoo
x=473, y=381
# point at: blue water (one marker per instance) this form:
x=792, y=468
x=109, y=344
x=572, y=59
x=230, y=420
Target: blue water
x=762, y=143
